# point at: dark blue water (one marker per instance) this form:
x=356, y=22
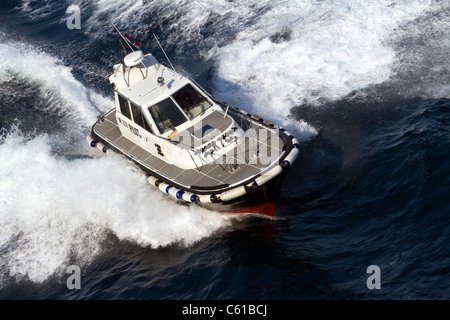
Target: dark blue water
x=366, y=89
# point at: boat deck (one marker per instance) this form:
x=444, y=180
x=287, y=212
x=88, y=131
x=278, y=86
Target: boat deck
x=239, y=166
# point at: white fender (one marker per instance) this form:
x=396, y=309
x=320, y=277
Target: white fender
x=204, y=198
x=233, y=193
x=164, y=187
x=175, y=193
x=289, y=160
x=272, y=173
x=100, y=146
x=91, y=141
x=151, y=180
x=256, y=117
x=295, y=143
x=189, y=197
x=289, y=134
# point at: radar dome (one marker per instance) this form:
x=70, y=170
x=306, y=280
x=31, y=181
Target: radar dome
x=133, y=59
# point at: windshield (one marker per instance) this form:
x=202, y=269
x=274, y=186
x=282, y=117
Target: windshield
x=166, y=115
x=191, y=101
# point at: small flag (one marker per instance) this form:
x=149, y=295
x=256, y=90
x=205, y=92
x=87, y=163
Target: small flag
x=136, y=43
x=126, y=36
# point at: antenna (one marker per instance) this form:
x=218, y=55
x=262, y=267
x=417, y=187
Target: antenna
x=124, y=38
x=226, y=111
x=164, y=53
x=122, y=45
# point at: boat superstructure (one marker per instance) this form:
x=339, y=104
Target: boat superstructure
x=193, y=147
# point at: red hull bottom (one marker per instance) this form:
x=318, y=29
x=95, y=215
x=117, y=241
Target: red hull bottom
x=265, y=208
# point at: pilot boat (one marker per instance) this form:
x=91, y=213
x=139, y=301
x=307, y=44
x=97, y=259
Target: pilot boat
x=194, y=148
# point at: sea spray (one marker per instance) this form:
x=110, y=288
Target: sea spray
x=53, y=209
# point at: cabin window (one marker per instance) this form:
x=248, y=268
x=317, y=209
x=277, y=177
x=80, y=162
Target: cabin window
x=167, y=116
x=191, y=101
x=124, y=107
x=139, y=118
x=146, y=125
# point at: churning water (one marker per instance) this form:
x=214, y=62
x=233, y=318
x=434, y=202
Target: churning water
x=364, y=85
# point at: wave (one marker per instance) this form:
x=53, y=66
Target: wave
x=310, y=52
x=55, y=210
x=57, y=85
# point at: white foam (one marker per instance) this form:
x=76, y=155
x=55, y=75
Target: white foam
x=331, y=48
x=55, y=80
x=192, y=15
x=36, y=9
x=53, y=209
